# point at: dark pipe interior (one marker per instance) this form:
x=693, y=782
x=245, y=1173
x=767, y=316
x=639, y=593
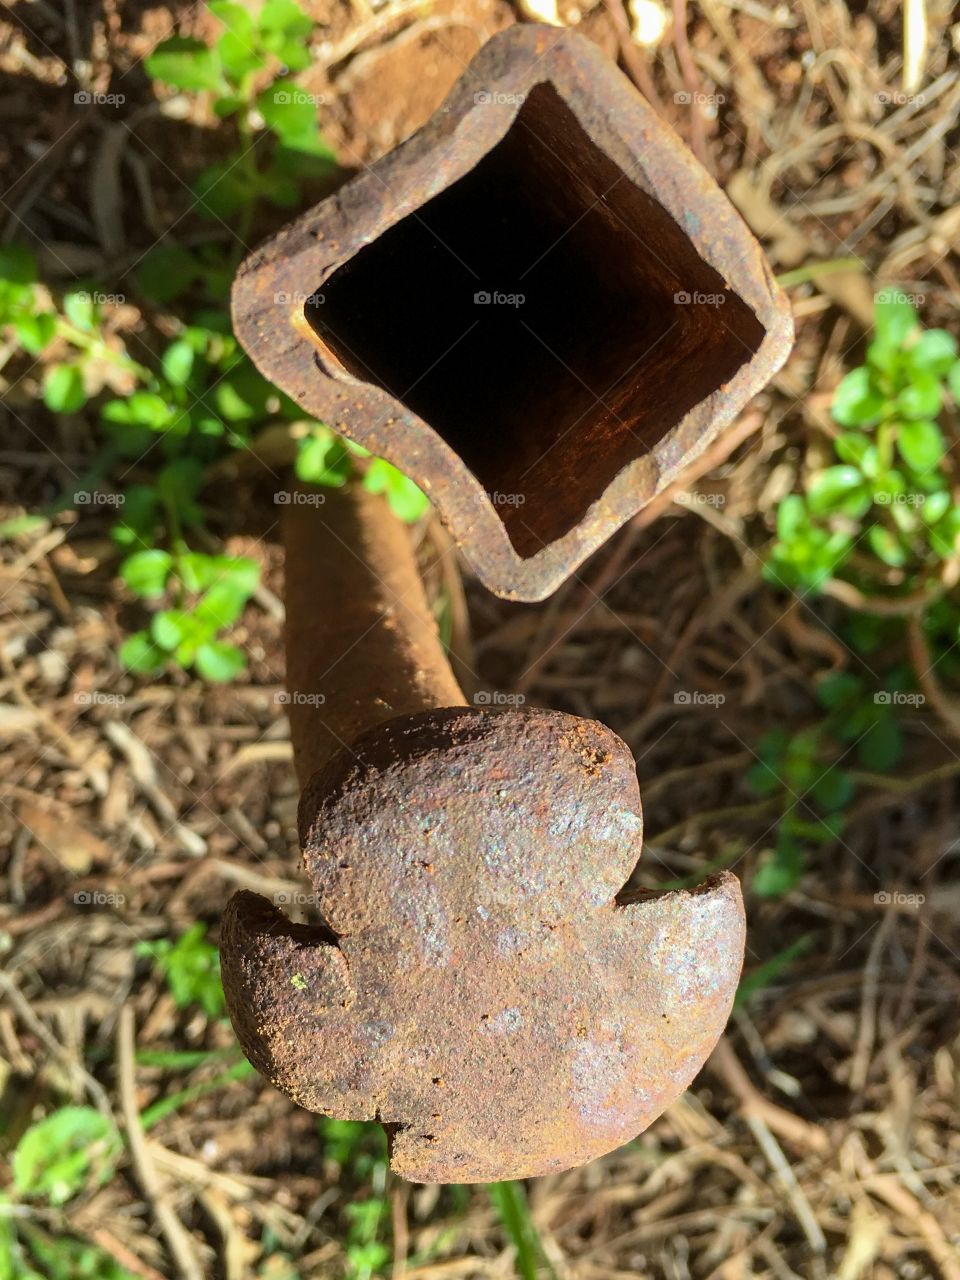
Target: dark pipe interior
x=551, y=398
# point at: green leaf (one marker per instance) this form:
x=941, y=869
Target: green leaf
x=407, y=501
x=166, y=272
x=953, y=381
x=839, y=490
x=148, y=409
x=791, y=516
x=285, y=18
x=322, y=460
x=762, y=780
x=177, y=362
x=944, y=534
x=219, y=661
x=79, y=308
x=236, y=46
x=837, y=688
x=853, y=447
x=509, y=1199
x=764, y=974
x=881, y=746
x=293, y=53
x=856, y=401
x=178, y=483
x=170, y=628
x=936, y=506
x=221, y=606
x=36, y=331
x=56, y=1156
x=920, y=444
x=780, y=872
x=935, y=352
x=886, y=546
x=186, y=64
x=922, y=397
x=223, y=189
x=289, y=112
x=231, y=403
x=191, y=967
x=63, y=389
x=17, y=264
x=138, y=653
x=894, y=317
x=146, y=572
x=833, y=791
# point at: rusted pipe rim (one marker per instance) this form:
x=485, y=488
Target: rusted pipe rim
x=480, y=985
x=649, y=317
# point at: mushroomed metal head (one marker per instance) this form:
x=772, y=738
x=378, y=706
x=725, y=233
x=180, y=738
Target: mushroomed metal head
x=478, y=986
x=540, y=307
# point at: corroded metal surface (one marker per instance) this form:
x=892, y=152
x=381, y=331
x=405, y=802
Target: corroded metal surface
x=479, y=987
x=648, y=315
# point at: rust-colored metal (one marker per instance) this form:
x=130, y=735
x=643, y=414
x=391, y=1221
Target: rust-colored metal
x=648, y=317
x=480, y=985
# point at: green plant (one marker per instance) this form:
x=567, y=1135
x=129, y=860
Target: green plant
x=197, y=397
x=509, y=1199
x=883, y=514
x=29, y=1253
x=58, y=1156
x=327, y=460
x=360, y=1150
x=246, y=70
x=806, y=771
x=191, y=967
x=36, y=324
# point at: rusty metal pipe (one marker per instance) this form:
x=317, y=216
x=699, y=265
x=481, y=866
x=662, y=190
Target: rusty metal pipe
x=480, y=983
x=540, y=307
x=359, y=631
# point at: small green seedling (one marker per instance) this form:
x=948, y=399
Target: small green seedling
x=253, y=47
x=806, y=771
x=65, y=1153
x=191, y=967
x=884, y=515
x=326, y=460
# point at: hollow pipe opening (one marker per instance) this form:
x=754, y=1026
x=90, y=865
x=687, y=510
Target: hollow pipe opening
x=545, y=315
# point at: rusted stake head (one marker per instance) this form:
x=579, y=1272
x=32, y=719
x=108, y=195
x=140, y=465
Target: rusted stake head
x=481, y=989
x=540, y=307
